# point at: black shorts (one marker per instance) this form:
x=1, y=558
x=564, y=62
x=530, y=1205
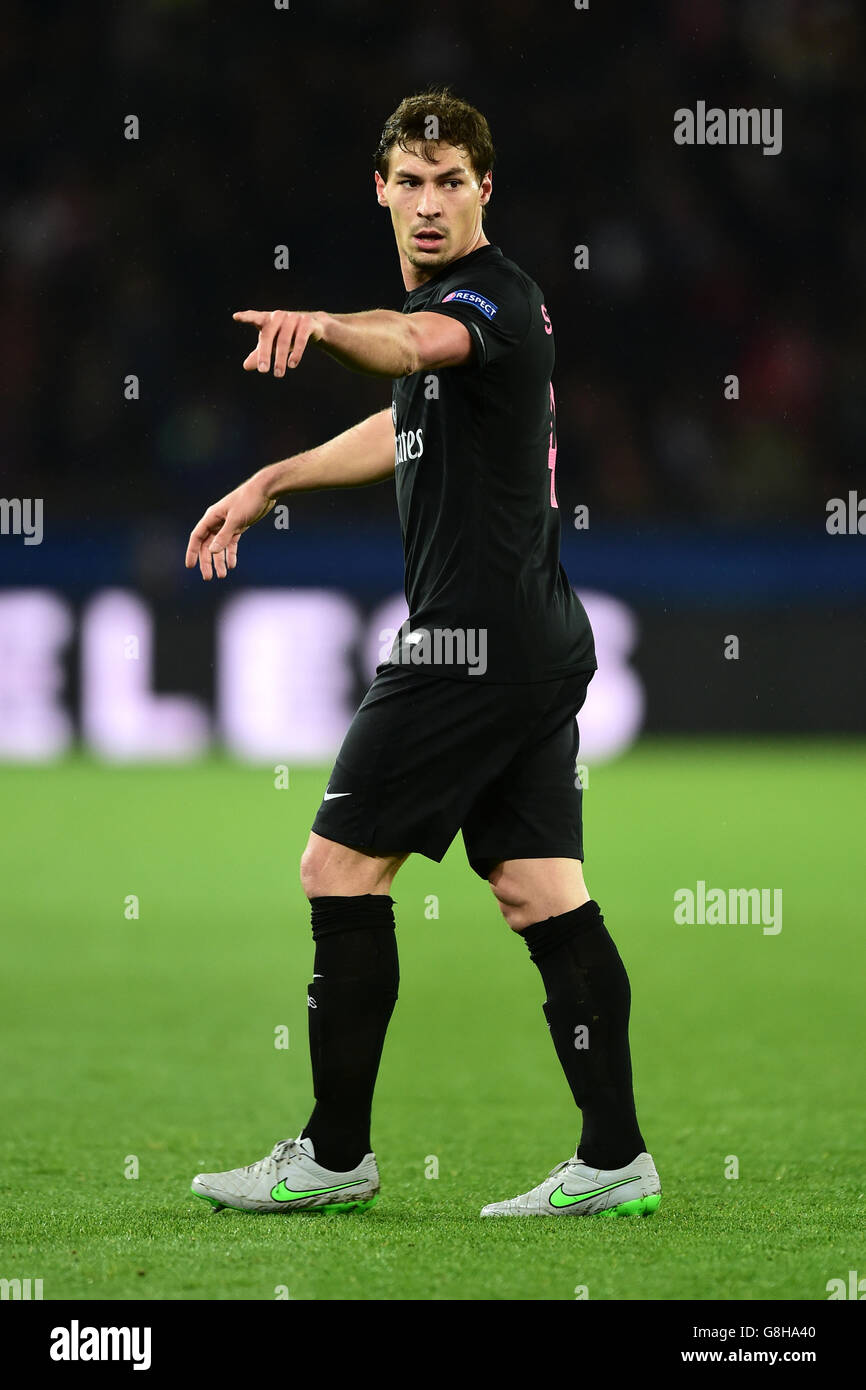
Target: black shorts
x=426, y=756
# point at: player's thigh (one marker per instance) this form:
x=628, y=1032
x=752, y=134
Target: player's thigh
x=531, y=890
x=524, y=833
x=329, y=869
x=415, y=759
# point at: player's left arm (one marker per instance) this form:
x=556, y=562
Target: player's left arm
x=378, y=342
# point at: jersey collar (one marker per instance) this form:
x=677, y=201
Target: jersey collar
x=456, y=266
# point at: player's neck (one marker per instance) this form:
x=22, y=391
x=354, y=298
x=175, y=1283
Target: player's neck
x=413, y=277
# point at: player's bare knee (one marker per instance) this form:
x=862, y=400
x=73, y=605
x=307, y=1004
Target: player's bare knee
x=329, y=869
x=512, y=901
x=323, y=873
x=312, y=871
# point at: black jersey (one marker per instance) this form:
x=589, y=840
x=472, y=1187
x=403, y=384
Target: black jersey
x=475, y=477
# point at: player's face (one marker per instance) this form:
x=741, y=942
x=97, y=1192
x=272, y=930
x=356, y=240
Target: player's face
x=435, y=207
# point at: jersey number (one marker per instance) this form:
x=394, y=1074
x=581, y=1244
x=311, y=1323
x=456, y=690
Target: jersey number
x=551, y=451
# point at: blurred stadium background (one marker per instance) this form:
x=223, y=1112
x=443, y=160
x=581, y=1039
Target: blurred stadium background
x=145, y=717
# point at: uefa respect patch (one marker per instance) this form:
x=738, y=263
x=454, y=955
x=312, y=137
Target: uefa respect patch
x=478, y=301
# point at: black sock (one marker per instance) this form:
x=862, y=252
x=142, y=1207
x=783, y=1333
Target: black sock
x=349, y=1009
x=588, y=990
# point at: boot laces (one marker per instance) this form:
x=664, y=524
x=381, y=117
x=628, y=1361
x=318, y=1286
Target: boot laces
x=280, y=1153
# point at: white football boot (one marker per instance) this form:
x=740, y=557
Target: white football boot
x=574, y=1189
x=290, y=1179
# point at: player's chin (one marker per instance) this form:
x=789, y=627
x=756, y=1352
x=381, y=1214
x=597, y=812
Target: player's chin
x=421, y=255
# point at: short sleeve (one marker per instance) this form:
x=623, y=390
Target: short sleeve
x=495, y=308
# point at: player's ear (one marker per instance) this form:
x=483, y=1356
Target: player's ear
x=380, y=190
x=486, y=188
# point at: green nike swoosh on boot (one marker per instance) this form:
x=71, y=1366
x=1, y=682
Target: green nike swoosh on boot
x=281, y=1193
x=562, y=1199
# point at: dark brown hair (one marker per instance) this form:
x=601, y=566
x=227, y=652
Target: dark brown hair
x=458, y=124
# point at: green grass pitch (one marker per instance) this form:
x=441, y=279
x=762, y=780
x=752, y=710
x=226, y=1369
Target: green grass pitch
x=153, y=1038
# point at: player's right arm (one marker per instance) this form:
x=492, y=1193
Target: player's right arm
x=360, y=455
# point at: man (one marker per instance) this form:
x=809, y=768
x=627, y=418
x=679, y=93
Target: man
x=470, y=724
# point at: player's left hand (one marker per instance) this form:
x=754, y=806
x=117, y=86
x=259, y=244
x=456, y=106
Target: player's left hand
x=287, y=330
